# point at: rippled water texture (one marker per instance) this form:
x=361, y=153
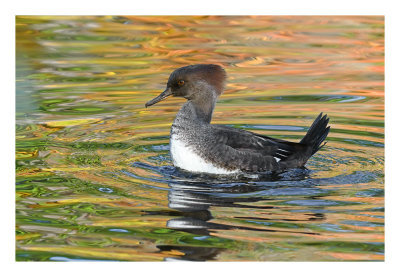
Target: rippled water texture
x=94, y=175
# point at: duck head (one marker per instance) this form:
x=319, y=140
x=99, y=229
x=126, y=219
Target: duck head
x=198, y=83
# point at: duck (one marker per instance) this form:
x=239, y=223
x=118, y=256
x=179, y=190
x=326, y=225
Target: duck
x=198, y=146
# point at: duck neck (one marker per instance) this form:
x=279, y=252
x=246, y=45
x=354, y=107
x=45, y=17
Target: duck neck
x=196, y=111
x=203, y=108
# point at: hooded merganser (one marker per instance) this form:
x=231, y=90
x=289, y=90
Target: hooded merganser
x=198, y=146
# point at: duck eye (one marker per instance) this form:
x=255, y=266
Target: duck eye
x=181, y=82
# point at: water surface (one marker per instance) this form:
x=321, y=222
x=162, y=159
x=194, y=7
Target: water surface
x=94, y=174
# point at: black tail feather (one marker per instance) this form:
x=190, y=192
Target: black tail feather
x=317, y=133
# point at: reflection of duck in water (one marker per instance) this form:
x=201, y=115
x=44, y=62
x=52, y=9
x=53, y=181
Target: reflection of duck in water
x=193, y=200
x=198, y=146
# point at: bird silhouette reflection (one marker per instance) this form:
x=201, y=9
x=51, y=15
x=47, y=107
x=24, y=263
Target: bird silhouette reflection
x=192, y=202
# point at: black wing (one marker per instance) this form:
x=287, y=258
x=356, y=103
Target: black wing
x=249, y=142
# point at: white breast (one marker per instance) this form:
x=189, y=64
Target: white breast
x=184, y=157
